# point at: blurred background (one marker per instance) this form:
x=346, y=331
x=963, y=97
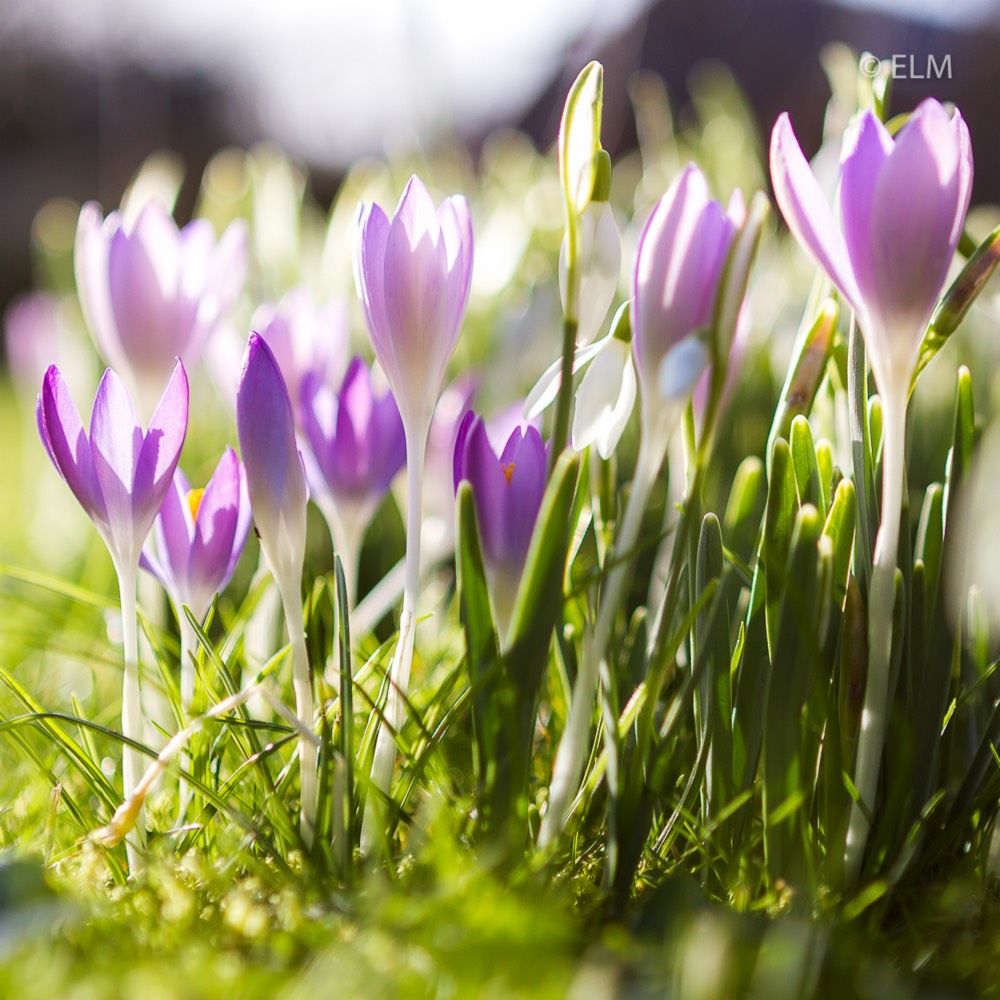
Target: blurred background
x=89, y=88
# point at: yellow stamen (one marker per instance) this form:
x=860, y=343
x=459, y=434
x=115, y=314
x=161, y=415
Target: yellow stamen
x=508, y=471
x=194, y=502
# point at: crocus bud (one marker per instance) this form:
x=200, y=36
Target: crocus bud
x=679, y=263
x=198, y=536
x=508, y=494
x=151, y=292
x=902, y=206
x=413, y=274
x=275, y=477
x=119, y=474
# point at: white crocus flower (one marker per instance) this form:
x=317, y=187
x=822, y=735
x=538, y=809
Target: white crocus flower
x=605, y=398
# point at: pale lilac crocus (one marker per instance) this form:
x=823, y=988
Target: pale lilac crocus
x=120, y=475
x=197, y=540
x=354, y=448
x=413, y=273
x=903, y=202
x=306, y=337
x=278, y=498
x=507, y=491
x=151, y=292
x=676, y=280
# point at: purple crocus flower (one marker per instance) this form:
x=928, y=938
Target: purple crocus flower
x=199, y=534
x=278, y=497
x=902, y=205
x=151, y=292
x=678, y=267
x=355, y=448
x=508, y=492
x=413, y=275
x=119, y=475
x=305, y=337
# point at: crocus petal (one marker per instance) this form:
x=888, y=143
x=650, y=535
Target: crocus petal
x=369, y=269
x=275, y=475
x=913, y=218
x=215, y=527
x=806, y=210
x=161, y=449
x=68, y=446
x=605, y=399
x=90, y=265
x=867, y=145
x=525, y=490
x=116, y=440
x=173, y=532
x=544, y=392
x=489, y=488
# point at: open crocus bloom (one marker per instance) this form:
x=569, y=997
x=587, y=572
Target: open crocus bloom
x=413, y=275
x=902, y=205
x=119, y=475
x=198, y=536
x=151, y=292
x=355, y=446
x=507, y=491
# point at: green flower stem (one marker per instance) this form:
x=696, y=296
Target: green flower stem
x=399, y=673
x=881, y=601
x=571, y=322
x=291, y=600
x=131, y=708
x=573, y=747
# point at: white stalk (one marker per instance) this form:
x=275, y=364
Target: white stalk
x=131, y=707
x=189, y=650
x=291, y=600
x=399, y=673
x=574, y=745
x=881, y=601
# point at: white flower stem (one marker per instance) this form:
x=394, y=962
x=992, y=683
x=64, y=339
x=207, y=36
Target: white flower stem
x=399, y=673
x=574, y=745
x=131, y=707
x=346, y=536
x=881, y=601
x=291, y=600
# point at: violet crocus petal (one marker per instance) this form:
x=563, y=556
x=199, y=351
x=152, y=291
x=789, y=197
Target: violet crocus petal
x=161, y=449
x=369, y=269
x=964, y=174
x=173, y=533
x=68, y=446
x=243, y=522
x=525, y=464
x=274, y=470
x=354, y=409
x=481, y=468
x=387, y=452
x=115, y=441
x=867, y=145
x=913, y=219
x=458, y=463
x=215, y=528
x=90, y=266
x=679, y=261
x=144, y=280
x=806, y=210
